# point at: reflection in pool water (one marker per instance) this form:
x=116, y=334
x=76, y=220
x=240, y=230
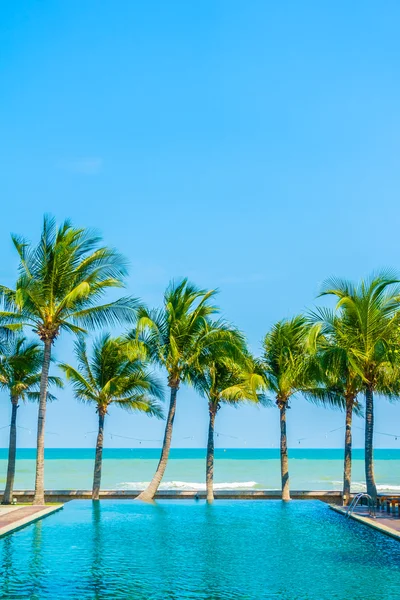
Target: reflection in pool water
x=179, y=550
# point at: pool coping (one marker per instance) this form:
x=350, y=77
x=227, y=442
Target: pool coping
x=28, y=520
x=369, y=522
x=62, y=496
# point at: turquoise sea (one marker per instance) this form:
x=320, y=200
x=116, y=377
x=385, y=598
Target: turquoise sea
x=310, y=469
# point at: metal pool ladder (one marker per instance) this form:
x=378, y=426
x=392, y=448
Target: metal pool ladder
x=356, y=500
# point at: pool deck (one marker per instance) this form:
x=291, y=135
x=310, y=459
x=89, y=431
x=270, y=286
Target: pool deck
x=384, y=522
x=15, y=517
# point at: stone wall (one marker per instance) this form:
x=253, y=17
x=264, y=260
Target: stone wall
x=333, y=497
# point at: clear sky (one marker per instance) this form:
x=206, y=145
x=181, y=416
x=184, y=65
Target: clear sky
x=250, y=145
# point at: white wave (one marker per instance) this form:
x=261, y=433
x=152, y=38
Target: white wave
x=356, y=486
x=394, y=488
x=359, y=486
x=188, y=485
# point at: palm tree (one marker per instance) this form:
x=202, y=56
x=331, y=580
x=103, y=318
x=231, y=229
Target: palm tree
x=175, y=337
x=226, y=375
x=20, y=370
x=370, y=319
x=109, y=377
x=287, y=371
x=338, y=377
x=60, y=283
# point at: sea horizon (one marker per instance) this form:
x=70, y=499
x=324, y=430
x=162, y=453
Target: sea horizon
x=274, y=449
x=183, y=453
x=235, y=468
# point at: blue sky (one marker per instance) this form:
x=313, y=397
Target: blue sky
x=251, y=146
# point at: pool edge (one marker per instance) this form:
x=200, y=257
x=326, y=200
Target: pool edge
x=25, y=521
x=369, y=522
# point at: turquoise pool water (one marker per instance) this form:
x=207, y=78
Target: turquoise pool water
x=182, y=550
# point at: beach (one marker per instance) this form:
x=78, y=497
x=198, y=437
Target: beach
x=124, y=468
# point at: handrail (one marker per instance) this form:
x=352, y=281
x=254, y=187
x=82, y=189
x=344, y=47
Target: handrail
x=356, y=500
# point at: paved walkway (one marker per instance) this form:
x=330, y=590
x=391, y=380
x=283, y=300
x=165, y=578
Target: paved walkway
x=6, y=509
x=384, y=521
x=15, y=517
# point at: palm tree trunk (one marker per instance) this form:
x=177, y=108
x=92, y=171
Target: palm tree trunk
x=212, y=409
x=99, y=457
x=44, y=381
x=347, y=453
x=150, y=491
x=369, y=443
x=12, y=448
x=284, y=453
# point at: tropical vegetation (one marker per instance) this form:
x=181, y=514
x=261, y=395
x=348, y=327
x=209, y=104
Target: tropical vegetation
x=287, y=371
x=226, y=374
x=20, y=371
x=60, y=283
x=338, y=376
x=370, y=321
x=333, y=357
x=176, y=338
x=110, y=377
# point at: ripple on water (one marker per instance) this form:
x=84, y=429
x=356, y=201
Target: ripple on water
x=232, y=550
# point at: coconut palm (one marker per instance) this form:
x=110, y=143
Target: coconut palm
x=370, y=319
x=60, y=284
x=338, y=377
x=20, y=370
x=110, y=377
x=287, y=371
x=226, y=375
x=175, y=337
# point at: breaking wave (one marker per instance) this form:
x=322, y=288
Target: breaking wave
x=358, y=486
x=188, y=485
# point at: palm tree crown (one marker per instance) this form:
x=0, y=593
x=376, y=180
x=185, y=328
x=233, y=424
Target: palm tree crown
x=175, y=335
x=284, y=358
x=370, y=318
x=61, y=281
x=110, y=376
x=20, y=369
x=227, y=373
x=329, y=344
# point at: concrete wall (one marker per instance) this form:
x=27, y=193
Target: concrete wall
x=333, y=497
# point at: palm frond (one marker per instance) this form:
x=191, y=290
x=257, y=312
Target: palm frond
x=112, y=374
x=62, y=280
x=20, y=367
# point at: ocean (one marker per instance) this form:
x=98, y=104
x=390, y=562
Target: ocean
x=124, y=468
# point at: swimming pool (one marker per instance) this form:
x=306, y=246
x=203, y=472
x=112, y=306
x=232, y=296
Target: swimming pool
x=231, y=550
